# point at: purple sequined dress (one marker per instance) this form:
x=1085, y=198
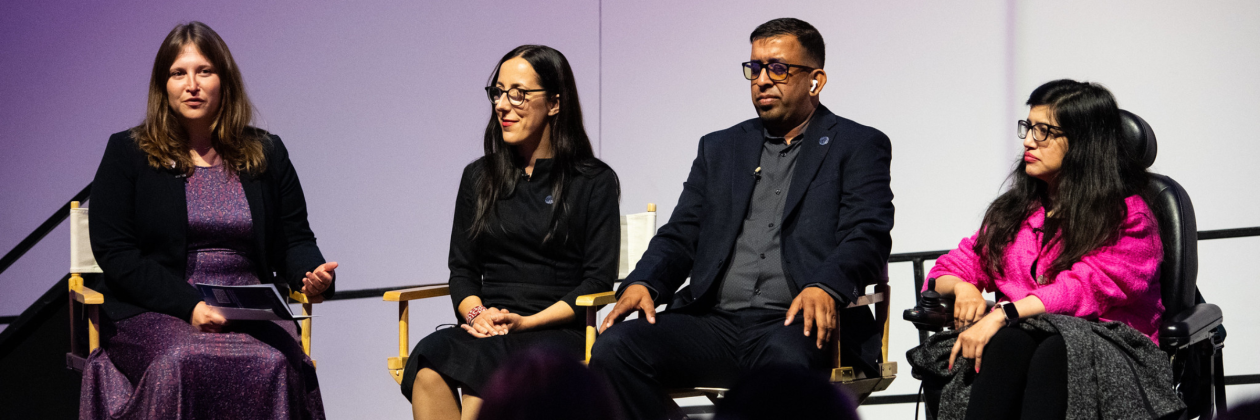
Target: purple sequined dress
x=155, y=366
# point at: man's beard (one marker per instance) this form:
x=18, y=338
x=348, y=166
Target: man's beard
x=773, y=116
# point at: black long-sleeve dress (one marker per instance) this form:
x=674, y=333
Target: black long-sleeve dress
x=511, y=267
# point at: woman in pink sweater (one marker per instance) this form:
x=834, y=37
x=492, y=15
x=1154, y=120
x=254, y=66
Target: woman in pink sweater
x=1072, y=236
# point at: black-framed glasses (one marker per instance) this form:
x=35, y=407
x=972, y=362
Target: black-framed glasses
x=1040, y=131
x=516, y=96
x=776, y=71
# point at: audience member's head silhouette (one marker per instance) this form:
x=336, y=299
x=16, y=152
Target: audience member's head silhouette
x=540, y=384
x=778, y=392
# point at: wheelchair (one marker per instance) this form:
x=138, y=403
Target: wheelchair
x=1191, y=333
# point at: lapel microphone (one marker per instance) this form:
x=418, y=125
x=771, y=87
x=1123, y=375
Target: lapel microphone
x=757, y=173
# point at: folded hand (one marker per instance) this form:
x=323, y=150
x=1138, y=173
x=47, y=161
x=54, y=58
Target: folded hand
x=487, y=324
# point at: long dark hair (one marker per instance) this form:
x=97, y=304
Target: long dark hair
x=165, y=140
x=571, y=148
x=1099, y=171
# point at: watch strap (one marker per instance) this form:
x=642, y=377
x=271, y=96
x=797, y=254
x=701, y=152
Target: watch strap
x=1012, y=314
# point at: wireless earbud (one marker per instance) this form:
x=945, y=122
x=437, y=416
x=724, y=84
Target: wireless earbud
x=813, y=87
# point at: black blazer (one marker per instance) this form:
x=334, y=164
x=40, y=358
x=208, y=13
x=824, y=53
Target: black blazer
x=836, y=220
x=139, y=221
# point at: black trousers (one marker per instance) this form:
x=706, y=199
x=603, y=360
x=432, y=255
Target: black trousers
x=1022, y=376
x=641, y=360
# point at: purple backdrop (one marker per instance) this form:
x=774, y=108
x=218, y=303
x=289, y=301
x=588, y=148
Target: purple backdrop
x=381, y=104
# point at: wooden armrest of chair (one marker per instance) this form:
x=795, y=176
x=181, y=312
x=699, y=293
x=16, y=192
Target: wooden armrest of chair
x=307, y=309
x=300, y=297
x=418, y=292
x=87, y=296
x=591, y=302
x=597, y=299
x=846, y=376
x=403, y=297
x=865, y=300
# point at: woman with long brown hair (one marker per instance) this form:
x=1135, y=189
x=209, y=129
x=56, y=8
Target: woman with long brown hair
x=194, y=194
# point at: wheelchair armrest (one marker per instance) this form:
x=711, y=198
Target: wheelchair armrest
x=1190, y=326
x=597, y=299
x=419, y=292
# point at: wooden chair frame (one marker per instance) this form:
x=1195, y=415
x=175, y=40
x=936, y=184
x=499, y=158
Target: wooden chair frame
x=845, y=376
x=404, y=297
x=396, y=365
x=83, y=299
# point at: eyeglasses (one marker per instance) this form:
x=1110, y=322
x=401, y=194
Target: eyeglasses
x=1040, y=132
x=516, y=96
x=776, y=71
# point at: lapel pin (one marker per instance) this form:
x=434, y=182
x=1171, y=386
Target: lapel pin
x=548, y=200
x=824, y=140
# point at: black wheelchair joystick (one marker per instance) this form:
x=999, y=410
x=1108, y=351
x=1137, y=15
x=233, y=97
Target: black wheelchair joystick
x=932, y=314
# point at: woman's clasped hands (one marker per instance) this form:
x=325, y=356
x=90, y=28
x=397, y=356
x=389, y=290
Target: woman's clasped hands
x=494, y=321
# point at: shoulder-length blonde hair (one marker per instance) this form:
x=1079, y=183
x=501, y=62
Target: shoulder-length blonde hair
x=164, y=139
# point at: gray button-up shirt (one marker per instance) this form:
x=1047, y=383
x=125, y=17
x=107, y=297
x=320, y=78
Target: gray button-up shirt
x=755, y=278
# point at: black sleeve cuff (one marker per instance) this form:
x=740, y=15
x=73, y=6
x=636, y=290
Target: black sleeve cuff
x=840, y=300
x=651, y=289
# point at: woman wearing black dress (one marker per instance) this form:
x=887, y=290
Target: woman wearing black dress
x=536, y=226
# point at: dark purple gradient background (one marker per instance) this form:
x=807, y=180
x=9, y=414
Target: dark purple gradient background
x=380, y=103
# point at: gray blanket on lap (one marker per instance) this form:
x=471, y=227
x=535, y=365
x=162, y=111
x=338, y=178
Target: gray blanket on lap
x=1114, y=372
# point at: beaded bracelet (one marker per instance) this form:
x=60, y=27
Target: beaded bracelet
x=472, y=313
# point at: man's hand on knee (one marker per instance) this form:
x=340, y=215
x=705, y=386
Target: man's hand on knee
x=817, y=308
x=635, y=298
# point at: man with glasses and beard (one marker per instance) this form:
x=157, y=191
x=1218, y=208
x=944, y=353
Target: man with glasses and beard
x=783, y=219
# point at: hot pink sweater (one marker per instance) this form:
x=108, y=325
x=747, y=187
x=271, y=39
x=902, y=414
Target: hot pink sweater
x=1117, y=282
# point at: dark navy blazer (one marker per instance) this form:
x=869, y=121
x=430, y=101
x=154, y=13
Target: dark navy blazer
x=836, y=221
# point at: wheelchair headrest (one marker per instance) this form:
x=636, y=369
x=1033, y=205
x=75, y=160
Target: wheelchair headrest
x=1140, y=137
